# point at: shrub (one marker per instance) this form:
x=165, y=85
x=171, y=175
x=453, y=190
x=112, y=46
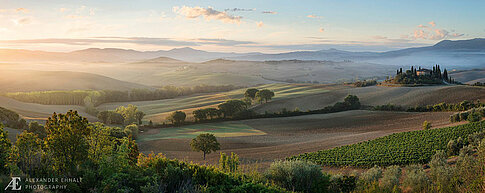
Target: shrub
x=390, y=177
x=132, y=130
x=474, y=117
x=298, y=176
x=416, y=179
x=339, y=183
x=426, y=125
x=371, y=176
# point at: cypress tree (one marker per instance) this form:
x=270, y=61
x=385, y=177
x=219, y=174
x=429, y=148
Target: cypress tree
x=445, y=75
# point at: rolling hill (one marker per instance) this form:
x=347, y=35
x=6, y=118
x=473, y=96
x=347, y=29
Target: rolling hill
x=29, y=80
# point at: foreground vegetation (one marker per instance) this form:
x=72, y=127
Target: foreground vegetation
x=108, y=161
x=396, y=149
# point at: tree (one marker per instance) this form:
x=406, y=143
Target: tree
x=103, y=116
x=352, y=101
x=265, y=95
x=139, y=116
x=206, y=142
x=251, y=93
x=132, y=130
x=67, y=140
x=213, y=113
x=230, y=107
x=200, y=114
x=5, y=145
x=129, y=114
x=28, y=146
x=38, y=129
x=426, y=125
x=445, y=75
x=177, y=117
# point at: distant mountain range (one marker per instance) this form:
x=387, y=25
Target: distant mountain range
x=455, y=53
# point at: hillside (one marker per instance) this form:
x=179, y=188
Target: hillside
x=377, y=95
x=28, y=80
x=469, y=76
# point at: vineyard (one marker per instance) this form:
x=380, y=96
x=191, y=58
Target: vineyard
x=396, y=149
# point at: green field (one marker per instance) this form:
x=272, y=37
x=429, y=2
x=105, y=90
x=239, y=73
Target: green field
x=224, y=129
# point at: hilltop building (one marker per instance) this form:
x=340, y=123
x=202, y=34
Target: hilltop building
x=423, y=72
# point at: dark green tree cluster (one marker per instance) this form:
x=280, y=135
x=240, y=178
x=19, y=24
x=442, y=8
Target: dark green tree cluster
x=122, y=115
x=440, y=107
x=177, y=117
x=12, y=119
x=206, y=114
x=365, y=83
x=478, y=84
x=411, y=77
x=263, y=95
x=472, y=115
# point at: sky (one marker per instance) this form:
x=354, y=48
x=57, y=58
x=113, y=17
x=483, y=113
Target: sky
x=268, y=26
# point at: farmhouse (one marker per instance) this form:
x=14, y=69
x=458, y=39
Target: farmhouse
x=423, y=71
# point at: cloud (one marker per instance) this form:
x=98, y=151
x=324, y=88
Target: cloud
x=314, y=16
x=221, y=42
x=432, y=33
x=22, y=10
x=62, y=9
x=208, y=13
x=130, y=40
x=259, y=24
x=22, y=21
x=321, y=29
x=238, y=9
x=269, y=12
x=379, y=37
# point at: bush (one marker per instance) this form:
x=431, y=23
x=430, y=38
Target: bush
x=390, y=177
x=339, y=183
x=426, y=125
x=298, y=176
x=132, y=130
x=474, y=117
x=372, y=175
x=416, y=179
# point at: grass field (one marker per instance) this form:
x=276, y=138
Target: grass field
x=158, y=110
x=379, y=95
x=191, y=131
x=32, y=111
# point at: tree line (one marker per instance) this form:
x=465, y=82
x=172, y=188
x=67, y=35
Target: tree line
x=238, y=110
x=440, y=107
x=97, y=97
